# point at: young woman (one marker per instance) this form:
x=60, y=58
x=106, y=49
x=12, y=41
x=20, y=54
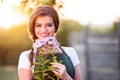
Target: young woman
x=43, y=23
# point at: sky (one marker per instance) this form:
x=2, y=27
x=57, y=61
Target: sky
x=94, y=12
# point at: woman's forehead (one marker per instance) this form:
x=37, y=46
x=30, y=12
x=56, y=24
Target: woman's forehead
x=44, y=19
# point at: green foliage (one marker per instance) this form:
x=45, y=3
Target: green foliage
x=27, y=6
x=106, y=29
x=48, y=2
x=43, y=69
x=66, y=27
x=12, y=42
x=114, y=27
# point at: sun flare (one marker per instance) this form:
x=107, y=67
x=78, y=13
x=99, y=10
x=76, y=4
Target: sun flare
x=8, y=16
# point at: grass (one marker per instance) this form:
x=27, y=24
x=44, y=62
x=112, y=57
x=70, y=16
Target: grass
x=8, y=73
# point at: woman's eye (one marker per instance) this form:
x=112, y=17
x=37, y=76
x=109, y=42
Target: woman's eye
x=49, y=25
x=37, y=26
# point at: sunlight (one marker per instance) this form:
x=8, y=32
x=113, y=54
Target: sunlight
x=95, y=12
x=8, y=17
x=12, y=2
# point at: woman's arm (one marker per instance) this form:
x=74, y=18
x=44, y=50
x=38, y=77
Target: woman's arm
x=78, y=74
x=24, y=74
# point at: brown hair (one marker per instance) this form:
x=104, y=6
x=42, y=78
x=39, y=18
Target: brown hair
x=41, y=11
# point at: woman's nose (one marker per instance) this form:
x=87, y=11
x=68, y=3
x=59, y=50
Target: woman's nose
x=44, y=29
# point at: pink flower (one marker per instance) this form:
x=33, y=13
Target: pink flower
x=48, y=45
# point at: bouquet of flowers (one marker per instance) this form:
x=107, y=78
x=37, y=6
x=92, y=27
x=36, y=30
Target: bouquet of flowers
x=44, y=51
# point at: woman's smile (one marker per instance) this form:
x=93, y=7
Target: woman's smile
x=44, y=34
x=44, y=27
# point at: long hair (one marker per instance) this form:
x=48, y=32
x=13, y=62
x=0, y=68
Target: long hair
x=41, y=11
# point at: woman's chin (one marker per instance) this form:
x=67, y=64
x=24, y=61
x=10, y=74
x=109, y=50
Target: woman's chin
x=44, y=37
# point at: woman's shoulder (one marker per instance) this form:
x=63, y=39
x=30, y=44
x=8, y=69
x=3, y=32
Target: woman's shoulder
x=24, y=60
x=68, y=48
x=65, y=47
x=71, y=52
x=25, y=53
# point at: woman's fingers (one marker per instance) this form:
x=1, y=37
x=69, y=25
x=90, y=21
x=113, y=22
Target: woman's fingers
x=59, y=70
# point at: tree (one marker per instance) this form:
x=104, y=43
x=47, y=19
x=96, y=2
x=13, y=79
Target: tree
x=28, y=5
x=66, y=27
x=12, y=43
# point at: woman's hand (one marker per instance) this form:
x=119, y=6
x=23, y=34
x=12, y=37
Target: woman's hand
x=60, y=71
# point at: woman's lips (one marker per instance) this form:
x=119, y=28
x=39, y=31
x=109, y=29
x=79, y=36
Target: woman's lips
x=44, y=35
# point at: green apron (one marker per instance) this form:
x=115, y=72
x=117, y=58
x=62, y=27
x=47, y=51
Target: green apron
x=65, y=61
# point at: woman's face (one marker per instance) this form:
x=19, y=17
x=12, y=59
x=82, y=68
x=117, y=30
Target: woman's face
x=44, y=27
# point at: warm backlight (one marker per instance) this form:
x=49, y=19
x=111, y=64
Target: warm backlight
x=8, y=16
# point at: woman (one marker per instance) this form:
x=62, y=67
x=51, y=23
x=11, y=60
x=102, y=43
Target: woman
x=44, y=22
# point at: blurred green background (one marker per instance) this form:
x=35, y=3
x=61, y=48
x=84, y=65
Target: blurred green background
x=15, y=39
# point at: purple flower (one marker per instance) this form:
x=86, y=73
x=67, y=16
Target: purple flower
x=48, y=45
